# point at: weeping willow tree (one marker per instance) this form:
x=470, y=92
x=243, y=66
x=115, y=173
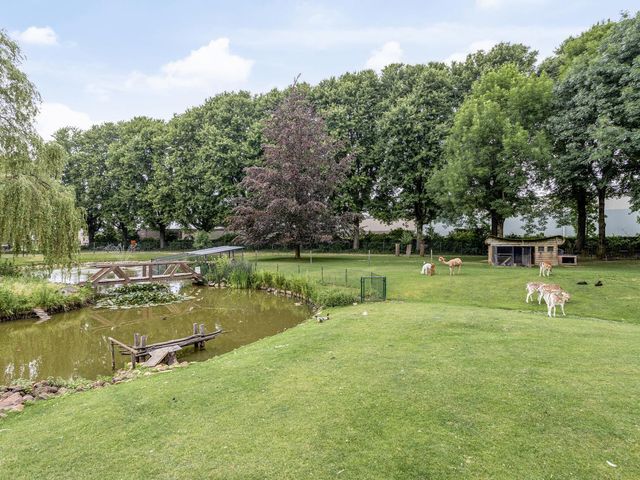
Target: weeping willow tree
x=37, y=213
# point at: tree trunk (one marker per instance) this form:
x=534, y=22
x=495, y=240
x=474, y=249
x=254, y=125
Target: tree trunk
x=356, y=234
x=162, y=230
x=297, y=251
x=497, y=224
x=124, y=231
x=581, y=227
x=420, y=237
x=602, y=224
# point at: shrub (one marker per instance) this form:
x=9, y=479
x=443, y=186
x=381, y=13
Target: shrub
x=11, y=303
x=201, y=239
x=47, y=296
x=335, y=297
x=9, y=269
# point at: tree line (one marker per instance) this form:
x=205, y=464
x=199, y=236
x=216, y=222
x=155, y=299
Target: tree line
x=471, y=143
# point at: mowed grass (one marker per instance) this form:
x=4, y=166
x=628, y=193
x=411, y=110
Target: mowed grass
x=481, y=285
x=90, y=256
x=453, y=377
x=407, y=391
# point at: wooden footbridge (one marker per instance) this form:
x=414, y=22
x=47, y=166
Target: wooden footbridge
x=174, y=267
x=110, y=273
x=155, y=353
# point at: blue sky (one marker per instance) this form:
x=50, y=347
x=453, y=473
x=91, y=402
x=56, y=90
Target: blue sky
x=96, y=61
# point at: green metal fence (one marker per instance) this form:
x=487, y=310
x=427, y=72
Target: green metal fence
x=373, y=288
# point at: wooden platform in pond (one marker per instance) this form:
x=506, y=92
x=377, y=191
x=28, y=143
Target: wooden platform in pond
x=113, y=273
x=140, y=352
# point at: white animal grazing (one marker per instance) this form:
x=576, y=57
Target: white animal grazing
x=532, y=287
x=544, y=288
x=428, y=269
x=545, y=269
x=553, y=299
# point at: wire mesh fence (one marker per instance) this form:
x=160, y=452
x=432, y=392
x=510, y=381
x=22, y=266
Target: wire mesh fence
x=366, y=284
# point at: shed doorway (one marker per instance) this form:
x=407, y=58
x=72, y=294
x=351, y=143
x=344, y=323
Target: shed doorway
x=512, y=256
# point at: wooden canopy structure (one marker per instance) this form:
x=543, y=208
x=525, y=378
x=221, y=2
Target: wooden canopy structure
x=511, y=252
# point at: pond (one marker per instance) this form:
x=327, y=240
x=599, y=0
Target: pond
x=74, y=344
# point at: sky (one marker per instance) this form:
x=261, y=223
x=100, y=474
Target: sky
x=110, y=60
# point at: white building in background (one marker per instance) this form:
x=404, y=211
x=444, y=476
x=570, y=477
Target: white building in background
x=621, y=221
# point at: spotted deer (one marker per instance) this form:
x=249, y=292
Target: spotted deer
x=532, y=287
x=553, y=299
x=545, y=269
x=544, y=289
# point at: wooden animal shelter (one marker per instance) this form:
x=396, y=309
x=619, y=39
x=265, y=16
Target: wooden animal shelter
x=524, y=252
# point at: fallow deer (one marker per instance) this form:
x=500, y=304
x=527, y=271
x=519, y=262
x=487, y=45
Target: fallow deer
x=545, y=269
x=532, y=287
x=454, y=262
x=543, y=289
x=553, y=299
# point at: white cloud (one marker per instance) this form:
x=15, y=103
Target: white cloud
x=209, y=68
x=53, y=116
x=390, y=52
x=37, y=36
x=485, y=45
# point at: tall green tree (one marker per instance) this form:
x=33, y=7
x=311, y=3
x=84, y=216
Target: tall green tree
x=209, y=147
x=411, y=136
x=37, y=213
x=496, y=146
x=139, y=173
x=87, y=173
x=570, y=173
x=596, y=120
x=351, y=106
x=287, y=199
x=467, y=72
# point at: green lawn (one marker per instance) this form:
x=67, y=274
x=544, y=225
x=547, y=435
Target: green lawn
x=451, y=378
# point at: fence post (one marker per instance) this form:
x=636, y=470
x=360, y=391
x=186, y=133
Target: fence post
x=322, y=274
x=369, y=257
x=298, y=269
x=277, y=268
x=346, y=278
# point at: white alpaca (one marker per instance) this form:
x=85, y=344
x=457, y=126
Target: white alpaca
x=544, y=288
x=532, y=287
x=545, y=269
x=427, y=269
x=553, y=299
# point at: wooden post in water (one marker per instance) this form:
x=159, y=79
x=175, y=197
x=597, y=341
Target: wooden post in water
x=113, y=355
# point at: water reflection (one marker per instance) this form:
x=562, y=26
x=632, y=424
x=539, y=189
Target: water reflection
x=75, y=343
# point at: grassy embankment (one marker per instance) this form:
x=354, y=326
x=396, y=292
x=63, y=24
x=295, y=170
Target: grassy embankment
x=452, y=378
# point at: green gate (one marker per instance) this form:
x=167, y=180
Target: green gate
x=373, y=288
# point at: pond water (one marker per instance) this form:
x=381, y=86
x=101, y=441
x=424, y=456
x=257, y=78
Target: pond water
x=74, y=344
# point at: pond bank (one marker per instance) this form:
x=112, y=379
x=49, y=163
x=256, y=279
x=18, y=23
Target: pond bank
x=75, y=344
x=19, y=296
x=13, y=398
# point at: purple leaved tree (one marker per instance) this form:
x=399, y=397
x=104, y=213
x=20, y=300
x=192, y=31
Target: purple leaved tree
x=287, y=200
